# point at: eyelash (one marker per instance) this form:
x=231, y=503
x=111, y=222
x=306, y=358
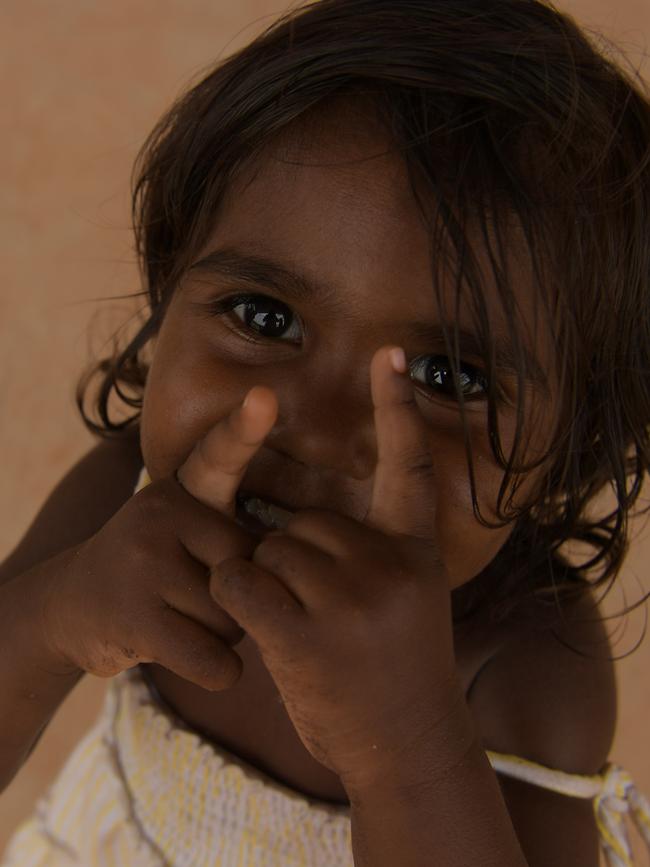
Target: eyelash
x=223, y=306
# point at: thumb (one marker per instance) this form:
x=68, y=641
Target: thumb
x=214, y=468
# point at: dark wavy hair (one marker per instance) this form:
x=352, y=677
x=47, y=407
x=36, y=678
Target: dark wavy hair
x=500, y=110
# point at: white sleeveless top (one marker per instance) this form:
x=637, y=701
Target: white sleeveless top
x=143, y=789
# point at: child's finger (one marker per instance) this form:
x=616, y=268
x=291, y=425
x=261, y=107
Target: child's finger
x=191, y=651
x=214, y=468
x=403, y=495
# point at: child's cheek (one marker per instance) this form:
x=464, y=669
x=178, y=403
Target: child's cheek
x=184, y=397
x=467, y=547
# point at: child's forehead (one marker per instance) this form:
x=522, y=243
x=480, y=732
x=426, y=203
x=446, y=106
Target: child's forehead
x=331, y=167
x=333, y=200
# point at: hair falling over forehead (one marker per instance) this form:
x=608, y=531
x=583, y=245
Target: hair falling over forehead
x=513, y=123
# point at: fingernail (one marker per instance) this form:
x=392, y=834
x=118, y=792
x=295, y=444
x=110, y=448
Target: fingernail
x=398, y=360
x=246, y=399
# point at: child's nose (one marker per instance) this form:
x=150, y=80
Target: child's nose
x=328, y=426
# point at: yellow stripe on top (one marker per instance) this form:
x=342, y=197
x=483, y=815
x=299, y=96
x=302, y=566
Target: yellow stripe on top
x=613, y=792
x=575, y=785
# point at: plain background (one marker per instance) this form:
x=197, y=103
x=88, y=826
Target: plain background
x=82, y=82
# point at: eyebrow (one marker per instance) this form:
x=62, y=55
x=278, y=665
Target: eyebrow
x=261, y=271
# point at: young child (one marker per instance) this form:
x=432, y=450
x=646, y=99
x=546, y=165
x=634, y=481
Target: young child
x=397, y=266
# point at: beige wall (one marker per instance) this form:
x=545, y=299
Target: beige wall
x=82, y=83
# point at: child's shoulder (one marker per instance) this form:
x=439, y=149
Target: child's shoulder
x=549, y=695
x=90, y=493
x=540, y=700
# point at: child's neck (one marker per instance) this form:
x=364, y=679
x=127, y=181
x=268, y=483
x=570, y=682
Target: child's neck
x=249, y=719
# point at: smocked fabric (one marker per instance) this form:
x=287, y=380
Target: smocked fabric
x=145, y=790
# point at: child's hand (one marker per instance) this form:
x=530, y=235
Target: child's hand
x=138, y=590
x=353, y=620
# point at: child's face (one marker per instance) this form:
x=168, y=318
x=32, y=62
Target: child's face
x=356, y=231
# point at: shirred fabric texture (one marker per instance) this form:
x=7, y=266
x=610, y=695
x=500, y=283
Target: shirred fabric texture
x=143, y=789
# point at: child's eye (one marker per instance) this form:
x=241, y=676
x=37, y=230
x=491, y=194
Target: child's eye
x=435, y=372
x=272, y=319
x=262, y=314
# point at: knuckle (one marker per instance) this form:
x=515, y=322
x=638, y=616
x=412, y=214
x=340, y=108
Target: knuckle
x=155, y=498
x=405, y=398
x=142, y=550
x=416, y=459
x=230, y=567
x=272, y=552
x=107, y=661
x=227, y=672
x=220, y=670
x=151, y=511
